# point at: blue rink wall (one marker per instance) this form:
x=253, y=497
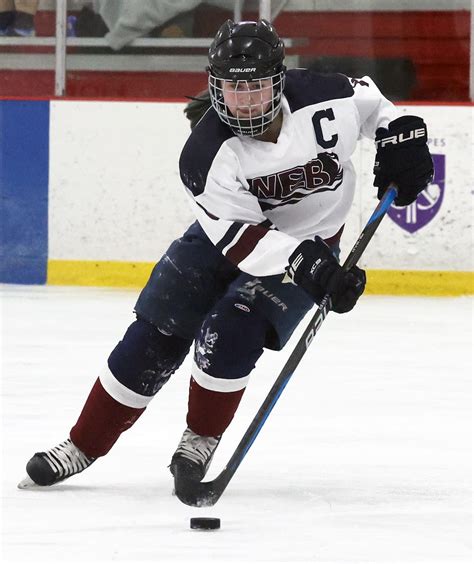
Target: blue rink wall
x=24, y=169
x=91, y=195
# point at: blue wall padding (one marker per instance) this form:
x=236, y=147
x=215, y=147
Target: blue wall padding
x=24, y=172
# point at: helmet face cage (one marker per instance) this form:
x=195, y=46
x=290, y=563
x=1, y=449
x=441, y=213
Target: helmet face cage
x=259, y=100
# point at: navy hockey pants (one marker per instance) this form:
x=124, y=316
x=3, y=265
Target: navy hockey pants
x=193, y=277
x=193, y=293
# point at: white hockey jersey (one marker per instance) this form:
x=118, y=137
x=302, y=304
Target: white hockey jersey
x=257, y=200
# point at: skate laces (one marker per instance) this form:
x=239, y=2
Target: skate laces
x=197, y=448
x=66, y=459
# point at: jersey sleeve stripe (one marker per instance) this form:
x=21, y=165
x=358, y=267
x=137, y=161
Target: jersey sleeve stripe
x=246, y=243
x=229, y=236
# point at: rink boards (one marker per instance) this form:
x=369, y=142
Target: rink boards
x=91, y=195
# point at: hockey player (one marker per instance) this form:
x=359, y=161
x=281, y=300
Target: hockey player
x=269, y=175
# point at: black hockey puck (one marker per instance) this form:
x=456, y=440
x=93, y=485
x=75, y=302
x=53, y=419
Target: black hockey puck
x=205, y=523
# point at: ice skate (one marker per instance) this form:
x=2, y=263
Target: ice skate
x=193, y=456
x=55, y=465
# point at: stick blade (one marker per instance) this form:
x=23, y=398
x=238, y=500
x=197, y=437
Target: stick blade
x=197, y=494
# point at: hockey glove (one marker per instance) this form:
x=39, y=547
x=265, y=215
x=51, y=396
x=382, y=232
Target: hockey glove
x=403, y=158
x=313, y=267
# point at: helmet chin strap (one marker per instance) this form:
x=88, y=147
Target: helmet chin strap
x=251, y=127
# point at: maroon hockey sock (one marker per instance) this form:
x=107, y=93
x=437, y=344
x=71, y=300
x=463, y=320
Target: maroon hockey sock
x=101, y=422
x=209, y=412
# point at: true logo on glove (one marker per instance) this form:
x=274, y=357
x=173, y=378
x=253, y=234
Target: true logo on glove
x=401, y=138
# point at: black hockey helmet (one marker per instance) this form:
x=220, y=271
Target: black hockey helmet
x=246, y=52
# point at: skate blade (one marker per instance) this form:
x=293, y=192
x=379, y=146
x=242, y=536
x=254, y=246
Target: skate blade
x=27, y=483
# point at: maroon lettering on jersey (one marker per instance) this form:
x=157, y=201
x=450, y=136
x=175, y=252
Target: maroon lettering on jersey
x=290, y=186
x=290, y=180
x=264, y=187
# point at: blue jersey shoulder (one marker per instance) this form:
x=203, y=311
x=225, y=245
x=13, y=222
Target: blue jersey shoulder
x=200, y=150
x=304, y=88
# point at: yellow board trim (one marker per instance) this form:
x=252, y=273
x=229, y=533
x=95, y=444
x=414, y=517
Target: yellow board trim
x=135, y=275
x=114, y=274
x=419, y=282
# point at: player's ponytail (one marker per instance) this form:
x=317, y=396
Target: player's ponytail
x=197, y=107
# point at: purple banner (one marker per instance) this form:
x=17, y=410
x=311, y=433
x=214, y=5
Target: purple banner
x=427, y=205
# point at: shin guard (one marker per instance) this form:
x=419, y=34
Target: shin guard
x=230, y=341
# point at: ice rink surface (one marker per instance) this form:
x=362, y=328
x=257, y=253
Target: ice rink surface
x=365, y=458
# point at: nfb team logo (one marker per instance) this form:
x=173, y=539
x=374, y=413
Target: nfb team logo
x=322, y=174
x=427, y=205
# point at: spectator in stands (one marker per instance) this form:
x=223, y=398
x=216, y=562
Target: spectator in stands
x=17, y=17
x=122, y=21
x=127, y=21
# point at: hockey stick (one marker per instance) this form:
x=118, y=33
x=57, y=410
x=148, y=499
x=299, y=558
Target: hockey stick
x=202, y=494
